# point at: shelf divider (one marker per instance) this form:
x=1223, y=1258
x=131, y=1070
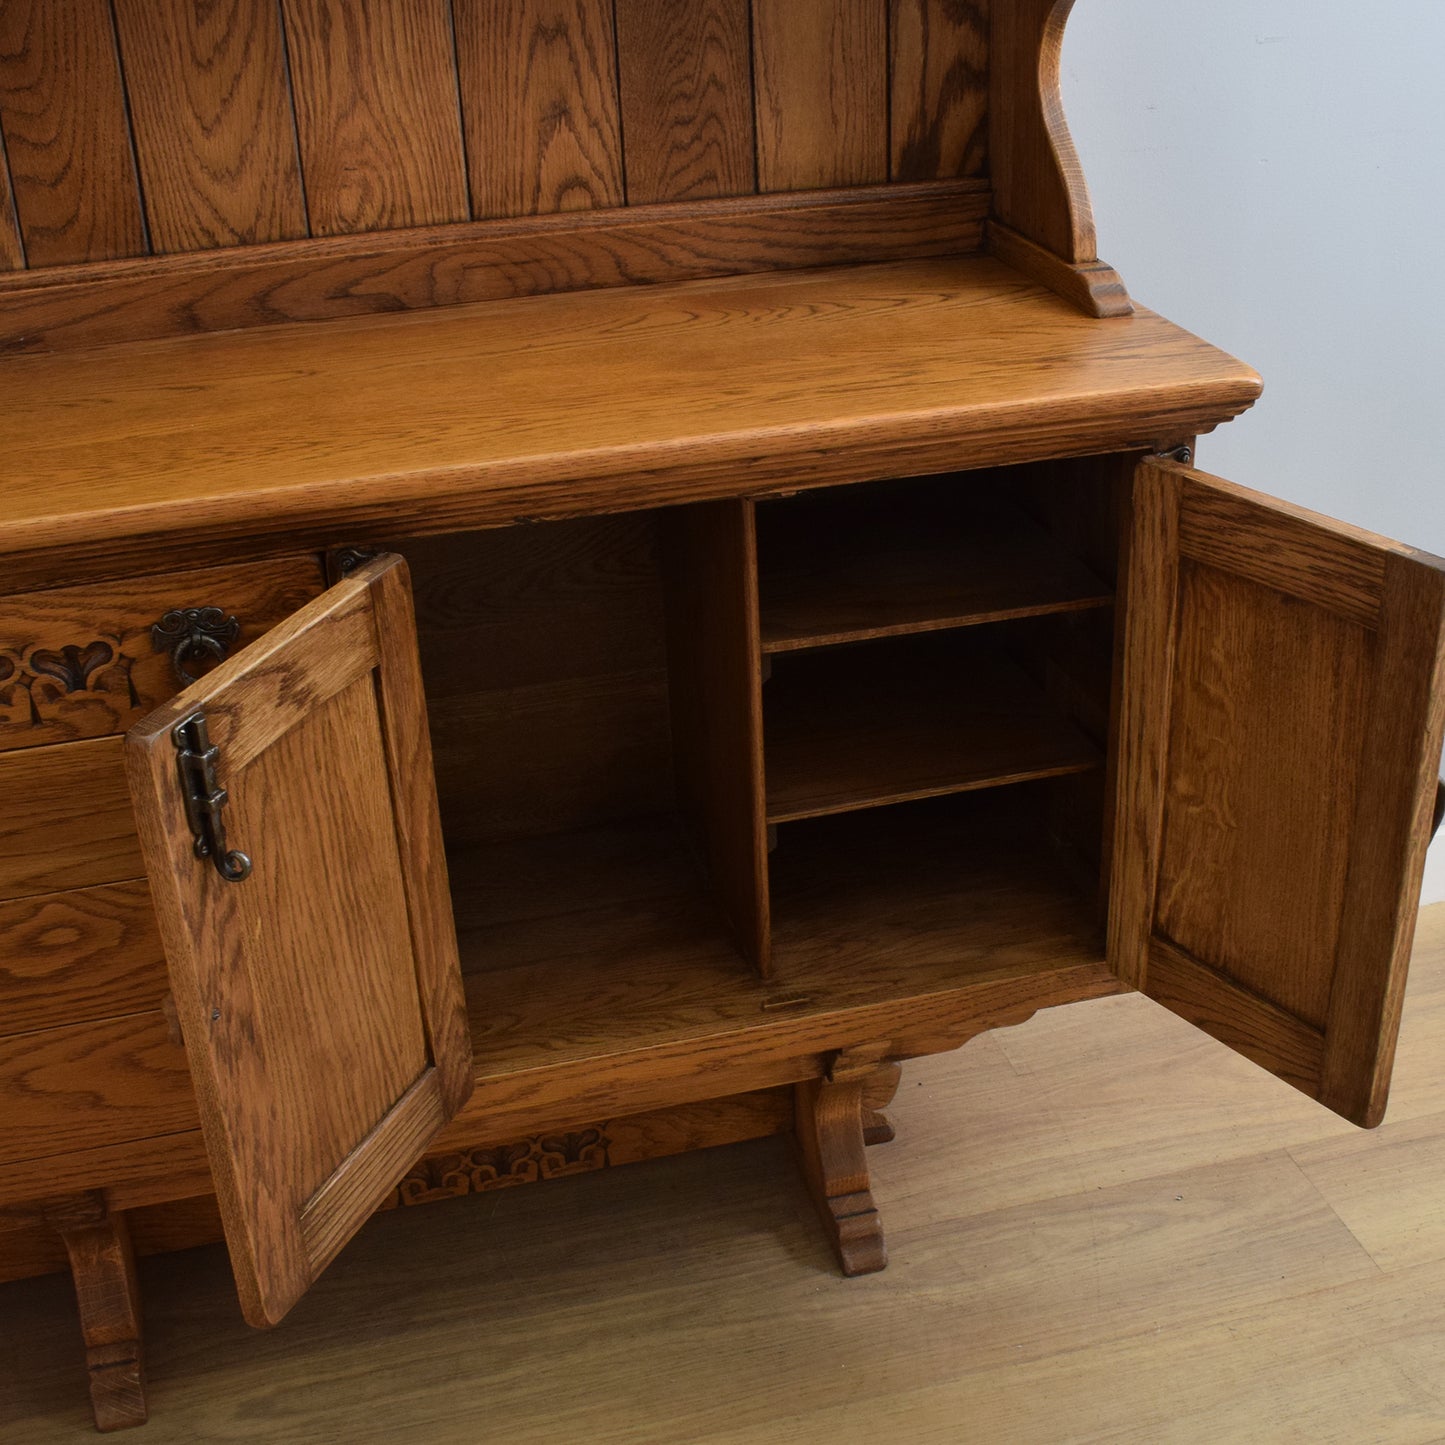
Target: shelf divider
x=715, y=665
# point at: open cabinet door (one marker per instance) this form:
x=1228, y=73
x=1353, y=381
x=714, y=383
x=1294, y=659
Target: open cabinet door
x=1279, y=743
x=287, y=811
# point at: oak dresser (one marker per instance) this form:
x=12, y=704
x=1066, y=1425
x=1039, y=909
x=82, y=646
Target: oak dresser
x=579, y=580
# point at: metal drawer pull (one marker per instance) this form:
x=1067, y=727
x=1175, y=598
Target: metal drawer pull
x=194, y=632
x=196, y=757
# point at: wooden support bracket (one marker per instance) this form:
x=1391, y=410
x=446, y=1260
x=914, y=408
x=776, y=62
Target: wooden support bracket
x=837, y=1116
x=103, y=1265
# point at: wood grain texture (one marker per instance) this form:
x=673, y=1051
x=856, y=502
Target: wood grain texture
x=1059, y=1236
x=1392, y=827
x=857, y=729
x=820, y=73
x=520, y=606
x=543, y=650
x=87, y=954
x=685, y=81
x=102, y=1264
x=139, y=1170
x=829, y=1129
x=1093, y=286
x=375, y=94
x=1252, y=1025
x=1272, y=753
x=540, y=101
x=1261, y=758
x=420, y=848
x=82, y=1086
x=65, y=819
x=491, y=260
x=1289, y=549
x=563, y=754
x=882, y=928
x=80, y=662
x=462, y=1161
x=938, y=88
x=896, y=559
x=1039, y=189
x=472, y=417
x=67, y=136
x=12, y=249
x=715, y=676
x=312, y=992
x=210, y=104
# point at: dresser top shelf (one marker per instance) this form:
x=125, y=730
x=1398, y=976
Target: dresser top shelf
x=597, y=401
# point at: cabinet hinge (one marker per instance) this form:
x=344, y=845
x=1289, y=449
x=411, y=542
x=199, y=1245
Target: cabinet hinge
x=196, y=758
x=1183, y=455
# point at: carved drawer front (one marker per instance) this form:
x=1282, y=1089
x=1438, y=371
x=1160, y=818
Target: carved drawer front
x=91, y=953
x=65, y=819
x=87, y=662
x=85, y=1085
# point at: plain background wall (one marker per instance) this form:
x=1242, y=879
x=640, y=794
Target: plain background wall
x=1271, y=175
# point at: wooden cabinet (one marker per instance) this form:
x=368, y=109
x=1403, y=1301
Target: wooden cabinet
x=726, y=689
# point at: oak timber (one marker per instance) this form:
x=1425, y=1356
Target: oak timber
x=335, y=959
x=898, y=559
x=381, y=271
x=1284, y=679
x=475, y=416
x=1059, y=1237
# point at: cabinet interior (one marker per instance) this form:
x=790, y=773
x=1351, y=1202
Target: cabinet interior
x=846, y=745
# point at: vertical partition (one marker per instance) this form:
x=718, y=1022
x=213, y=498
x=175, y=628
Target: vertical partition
x=715, y=665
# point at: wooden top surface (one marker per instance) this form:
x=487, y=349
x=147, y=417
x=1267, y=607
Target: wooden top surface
x=597, y=401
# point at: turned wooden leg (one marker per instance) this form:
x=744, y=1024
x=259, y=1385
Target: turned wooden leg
x=103, y=1266
x=834, y=1117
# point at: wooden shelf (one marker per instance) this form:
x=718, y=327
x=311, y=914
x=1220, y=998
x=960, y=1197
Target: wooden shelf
x=470, y=416
x=873, y=563
x=599, y=945
x=842, y=732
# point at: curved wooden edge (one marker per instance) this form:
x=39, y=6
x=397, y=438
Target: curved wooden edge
x=1093, y=286
x=1039, y=188
x=1060, y=139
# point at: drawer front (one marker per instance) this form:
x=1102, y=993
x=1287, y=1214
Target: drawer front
x=89, y=1084
x=80, y=662
x=66, y=819
x=91, y=953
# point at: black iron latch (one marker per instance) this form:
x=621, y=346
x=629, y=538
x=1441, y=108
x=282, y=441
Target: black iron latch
x=196, y=757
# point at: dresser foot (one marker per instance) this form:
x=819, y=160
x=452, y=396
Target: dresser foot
x=836, y=1118
x=103, y=1266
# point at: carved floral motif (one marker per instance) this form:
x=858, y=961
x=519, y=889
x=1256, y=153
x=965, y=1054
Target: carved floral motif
x=502, y=1166
x=36, y=681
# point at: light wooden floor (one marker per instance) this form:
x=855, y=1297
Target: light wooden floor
x=1103, y=1228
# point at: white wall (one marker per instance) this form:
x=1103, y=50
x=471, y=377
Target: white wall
x=1271, y=175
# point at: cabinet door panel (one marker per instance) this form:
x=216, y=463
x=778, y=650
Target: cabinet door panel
x=320, y=997
x=1279, y=742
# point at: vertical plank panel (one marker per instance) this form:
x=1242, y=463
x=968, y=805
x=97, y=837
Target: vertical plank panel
x=539, y=98
x=685, y=75
x=66, y=133
x=212, y=116
x=939, y=89
x=821, y=69
x=12, y=253
x=375, y=93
